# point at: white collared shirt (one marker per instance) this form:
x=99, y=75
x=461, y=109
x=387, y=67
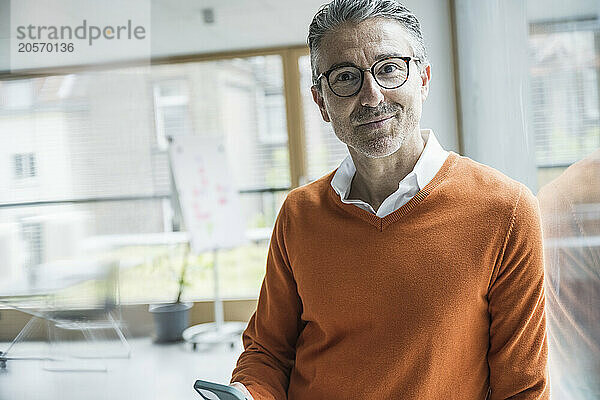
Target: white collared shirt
x=429, y=163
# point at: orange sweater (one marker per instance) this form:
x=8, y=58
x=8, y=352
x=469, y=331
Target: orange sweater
x=440, y=299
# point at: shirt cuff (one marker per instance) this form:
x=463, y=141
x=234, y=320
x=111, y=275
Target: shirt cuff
x=242, y=388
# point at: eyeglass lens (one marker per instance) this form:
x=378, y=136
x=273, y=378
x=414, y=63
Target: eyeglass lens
x=389, y=74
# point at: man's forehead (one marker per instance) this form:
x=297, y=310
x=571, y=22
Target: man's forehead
x=363, y=42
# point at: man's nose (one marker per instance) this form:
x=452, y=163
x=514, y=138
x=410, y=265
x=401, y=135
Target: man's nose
x=370, y=94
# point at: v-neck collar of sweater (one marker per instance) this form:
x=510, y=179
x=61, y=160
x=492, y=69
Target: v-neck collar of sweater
x=382, y=222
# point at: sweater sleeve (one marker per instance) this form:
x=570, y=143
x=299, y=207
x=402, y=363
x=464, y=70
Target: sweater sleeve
x=270, y=338
x=518, y=352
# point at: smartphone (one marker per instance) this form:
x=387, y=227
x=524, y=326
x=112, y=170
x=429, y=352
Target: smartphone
x=215, y=391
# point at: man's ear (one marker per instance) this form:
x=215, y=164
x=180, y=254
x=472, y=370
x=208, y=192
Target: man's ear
x=425, y=79
x=318, y=98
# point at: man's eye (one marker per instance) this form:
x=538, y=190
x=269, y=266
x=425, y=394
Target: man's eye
x=344, y=77
x=388, y=68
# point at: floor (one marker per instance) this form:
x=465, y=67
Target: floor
x=153, y=371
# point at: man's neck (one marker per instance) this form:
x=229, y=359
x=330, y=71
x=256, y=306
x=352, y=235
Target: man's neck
x=376, y=178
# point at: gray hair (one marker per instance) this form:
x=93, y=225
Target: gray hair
x=336, y=13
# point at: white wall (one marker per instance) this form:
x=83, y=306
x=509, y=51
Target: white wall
x=494, y=86
x=439, y=111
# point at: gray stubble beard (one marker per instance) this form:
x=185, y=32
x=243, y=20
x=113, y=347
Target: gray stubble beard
x=383, y=146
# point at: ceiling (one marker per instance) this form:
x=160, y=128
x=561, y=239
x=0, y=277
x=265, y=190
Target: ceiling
x=179, y=27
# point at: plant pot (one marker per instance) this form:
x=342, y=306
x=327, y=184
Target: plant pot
x=170, y=320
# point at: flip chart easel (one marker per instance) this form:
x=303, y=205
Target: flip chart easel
x=211, y=213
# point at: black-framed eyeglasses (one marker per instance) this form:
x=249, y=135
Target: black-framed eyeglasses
x=389, y=73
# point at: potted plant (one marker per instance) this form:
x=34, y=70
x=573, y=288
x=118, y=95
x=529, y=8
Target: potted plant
x=171, y=319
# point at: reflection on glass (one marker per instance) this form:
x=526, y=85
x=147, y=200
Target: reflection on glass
x=570, y=207
x=565, y=71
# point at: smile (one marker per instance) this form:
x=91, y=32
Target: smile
x=376, y=124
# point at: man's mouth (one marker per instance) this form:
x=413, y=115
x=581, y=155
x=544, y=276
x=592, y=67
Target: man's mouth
x=376, y=123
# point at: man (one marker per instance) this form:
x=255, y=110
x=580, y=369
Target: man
x=408, y=272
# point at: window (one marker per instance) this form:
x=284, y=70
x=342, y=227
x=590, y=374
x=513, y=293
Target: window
x=18, y=166
x=31, y=233
x=24, y=165
x=103, y=137
x=564, y=90
x=172, y=116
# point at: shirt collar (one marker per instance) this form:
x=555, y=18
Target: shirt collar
x=431, y=160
